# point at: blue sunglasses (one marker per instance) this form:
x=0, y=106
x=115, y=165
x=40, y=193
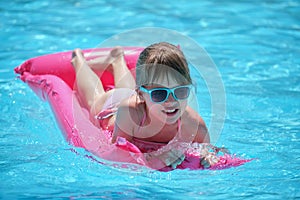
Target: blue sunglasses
x=160, y=95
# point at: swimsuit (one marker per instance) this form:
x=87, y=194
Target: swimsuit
x=111, y=105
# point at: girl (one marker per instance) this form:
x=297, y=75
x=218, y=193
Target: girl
x=149, y=111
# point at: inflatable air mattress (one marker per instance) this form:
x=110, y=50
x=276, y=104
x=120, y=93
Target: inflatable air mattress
x=52, y=77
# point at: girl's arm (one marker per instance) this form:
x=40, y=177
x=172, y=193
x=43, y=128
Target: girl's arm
x=202, y=135
x=193, y=127
x=127, y=120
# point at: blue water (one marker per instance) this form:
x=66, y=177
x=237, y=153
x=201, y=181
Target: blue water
x=254, y=44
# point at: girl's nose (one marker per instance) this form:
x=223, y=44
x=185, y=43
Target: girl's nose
x=171, y=98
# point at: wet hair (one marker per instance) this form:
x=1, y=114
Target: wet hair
x=162, y=60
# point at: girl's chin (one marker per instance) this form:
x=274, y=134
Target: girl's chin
x=171, y=118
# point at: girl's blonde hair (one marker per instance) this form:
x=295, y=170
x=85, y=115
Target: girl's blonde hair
x=162, y=59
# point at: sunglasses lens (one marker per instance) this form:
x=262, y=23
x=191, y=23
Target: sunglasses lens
x=182, y=92
x=159, y=95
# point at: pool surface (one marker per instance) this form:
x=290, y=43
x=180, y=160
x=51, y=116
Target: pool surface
x=255, y=46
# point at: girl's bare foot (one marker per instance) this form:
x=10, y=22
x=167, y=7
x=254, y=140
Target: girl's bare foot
x=77, y=59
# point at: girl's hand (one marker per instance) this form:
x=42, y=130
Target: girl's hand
x=173, y=158
x=209, y=159
x=207, y=152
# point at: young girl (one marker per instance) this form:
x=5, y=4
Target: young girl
x=149, y=111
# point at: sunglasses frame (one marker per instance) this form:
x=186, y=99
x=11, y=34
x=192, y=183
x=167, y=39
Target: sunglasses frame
x=169, y=90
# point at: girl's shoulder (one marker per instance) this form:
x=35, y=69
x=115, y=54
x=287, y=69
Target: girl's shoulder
x=191, y=114
x=194, y=125
x=134, y=106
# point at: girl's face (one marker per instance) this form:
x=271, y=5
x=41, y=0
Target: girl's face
x=168, y=111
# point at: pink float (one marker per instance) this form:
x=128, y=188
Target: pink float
x=52, y=77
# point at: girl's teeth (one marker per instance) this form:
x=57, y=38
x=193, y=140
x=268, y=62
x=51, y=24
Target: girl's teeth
x=170, y=111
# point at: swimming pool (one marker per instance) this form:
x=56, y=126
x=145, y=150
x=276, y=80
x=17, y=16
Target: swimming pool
x=255, y=48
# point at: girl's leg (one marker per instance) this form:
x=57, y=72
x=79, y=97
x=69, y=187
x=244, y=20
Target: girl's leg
x=88, y=85
x=122, y=75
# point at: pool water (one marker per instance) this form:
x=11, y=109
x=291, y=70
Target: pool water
x=254, y=44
